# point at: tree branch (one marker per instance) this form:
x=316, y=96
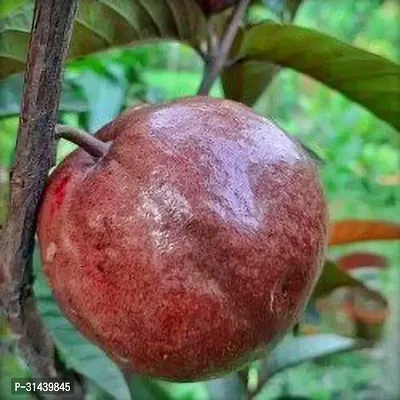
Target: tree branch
x=216, y=63
x=51, y=33
x=88, y=142
x=243, y=375
x=212, y=38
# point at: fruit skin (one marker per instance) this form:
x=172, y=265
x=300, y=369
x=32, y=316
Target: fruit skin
x=215, y=6
x=192, y=245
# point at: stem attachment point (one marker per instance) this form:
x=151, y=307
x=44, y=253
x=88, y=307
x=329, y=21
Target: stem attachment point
x=95, y=147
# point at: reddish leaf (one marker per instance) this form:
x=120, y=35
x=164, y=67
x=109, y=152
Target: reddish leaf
x=366, y=309
x=367, y=313
x=361, y=259
x=350, y=231
x=354, y=312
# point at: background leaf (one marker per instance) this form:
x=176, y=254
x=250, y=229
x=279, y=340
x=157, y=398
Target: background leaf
x=333, y=277
x=106, y=95
x=8, y=7
x=127, y=22
x=78, y=352
x=11, y=91
x=352, y=230
x=229, y=387
x=366, y=78
x=295, y=350
x=147, y=389
x=246, y=81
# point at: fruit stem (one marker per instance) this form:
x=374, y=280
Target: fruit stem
x=218, y=57
x=95, y=147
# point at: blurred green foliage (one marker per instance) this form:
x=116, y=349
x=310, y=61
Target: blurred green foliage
x=360, y=159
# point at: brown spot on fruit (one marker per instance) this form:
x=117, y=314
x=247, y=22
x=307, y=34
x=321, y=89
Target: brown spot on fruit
x=51, y=252
x=192, y=245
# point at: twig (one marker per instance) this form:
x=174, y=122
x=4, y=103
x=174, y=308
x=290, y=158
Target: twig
x=243, y=375
x=291, y=8
x=51, y=33
x=88, y=142
x=216, y=63
x=212, y=38
x=260, y=386
x=6, y=346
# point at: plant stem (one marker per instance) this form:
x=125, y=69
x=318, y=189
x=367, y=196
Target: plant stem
x=290, y=10
x=243, y=375
x=216, y=62
x=88, y=142
x=34, y=156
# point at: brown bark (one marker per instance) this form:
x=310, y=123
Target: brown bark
x=51, y=33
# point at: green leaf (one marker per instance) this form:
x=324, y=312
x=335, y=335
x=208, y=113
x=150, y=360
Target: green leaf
x=8, y=7
x=332, y=278
x=11, y=91
x=229, y=387
x=366, y=78
x=296, y=350
x=11, y=365
x=246, y=81
x=147, y=389
x=102, y=24
x=78, y=352
x=106, y=95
